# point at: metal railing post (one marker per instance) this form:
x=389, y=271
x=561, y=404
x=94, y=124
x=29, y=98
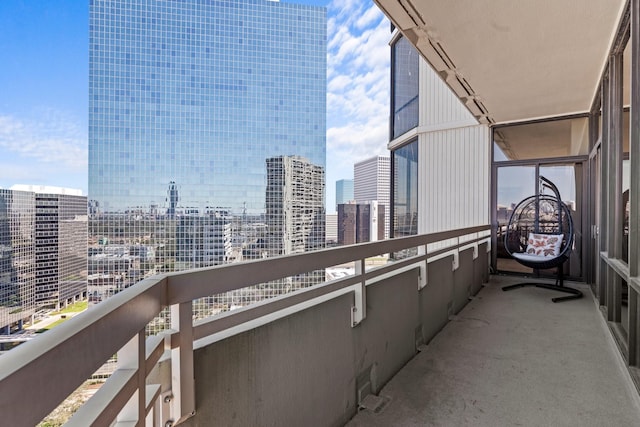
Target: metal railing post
x=182, y=375
x=359, y=311
x=422, y=250
x=132, y=357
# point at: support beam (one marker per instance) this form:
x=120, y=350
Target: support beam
x=603, y=288
x=359, y=309
x=133, y=356
x=614, y=183
x=634, y=191
x=182, y=374
x=614, y=176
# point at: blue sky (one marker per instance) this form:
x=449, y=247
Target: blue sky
x=44, y=86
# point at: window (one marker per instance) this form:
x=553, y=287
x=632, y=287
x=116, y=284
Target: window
x=405, y=190
x=404, y=87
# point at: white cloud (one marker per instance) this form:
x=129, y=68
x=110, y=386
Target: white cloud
x=357, y=87
x=49, y=137
x=11, y=173
x=351, y=142
x=373, y=14
x=344, y=9
x=338, y=83
x=358, y=75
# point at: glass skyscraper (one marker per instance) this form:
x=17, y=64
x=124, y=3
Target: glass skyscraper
x=344, y=191
x=188, y=100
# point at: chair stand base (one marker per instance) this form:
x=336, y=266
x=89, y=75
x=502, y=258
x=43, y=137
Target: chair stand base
x=575, y=293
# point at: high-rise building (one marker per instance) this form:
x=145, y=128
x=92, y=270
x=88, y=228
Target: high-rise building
x=43, y=251
x=295, y=214
x=295, y=205
x=344, y=191
x=17, y=258
x=204, y=239
x=359, y=223
x=347, y=218
x=372, y=182
x=331, y=229
x=187, y=102
x=61, y=247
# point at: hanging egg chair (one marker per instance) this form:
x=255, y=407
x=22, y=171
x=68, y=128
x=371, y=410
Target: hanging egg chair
x=540, y=235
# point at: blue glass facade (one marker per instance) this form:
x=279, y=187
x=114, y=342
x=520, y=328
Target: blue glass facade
x=344, y=191
x=187, y=101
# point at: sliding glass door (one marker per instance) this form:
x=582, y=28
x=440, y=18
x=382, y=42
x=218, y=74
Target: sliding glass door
x=515, y=183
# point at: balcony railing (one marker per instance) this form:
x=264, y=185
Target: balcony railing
x=154, y=381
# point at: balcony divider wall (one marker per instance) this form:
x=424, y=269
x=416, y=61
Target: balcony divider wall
x=634, y=189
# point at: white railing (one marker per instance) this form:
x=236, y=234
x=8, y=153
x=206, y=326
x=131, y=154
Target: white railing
x=38, y=375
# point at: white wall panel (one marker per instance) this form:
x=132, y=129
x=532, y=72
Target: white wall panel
x=439, y=106
x=454, y=173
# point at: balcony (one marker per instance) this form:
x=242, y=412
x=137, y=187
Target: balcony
x=393, y=344
x=512, y=358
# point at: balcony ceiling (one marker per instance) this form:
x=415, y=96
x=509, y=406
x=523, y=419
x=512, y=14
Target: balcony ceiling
x=513, y=60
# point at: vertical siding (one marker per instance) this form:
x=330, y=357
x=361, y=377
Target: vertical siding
x=454, y=166
x=439, y=106
x=454, y=173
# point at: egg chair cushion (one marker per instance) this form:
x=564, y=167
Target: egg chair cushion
x=528, y=259
x=544, y=245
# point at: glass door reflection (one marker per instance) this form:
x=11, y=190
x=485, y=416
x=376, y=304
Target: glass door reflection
x=568, y=179
x=514, y=184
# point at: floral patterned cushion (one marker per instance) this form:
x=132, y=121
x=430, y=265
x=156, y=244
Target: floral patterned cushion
x=545, y=245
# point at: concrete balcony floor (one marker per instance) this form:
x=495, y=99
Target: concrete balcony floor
x=513, y=359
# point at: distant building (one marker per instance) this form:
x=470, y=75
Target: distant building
x=372, y=182
x=295, y=205
x=17, y=258
x=347, y=219
x=172, y=199
x=359, y=223
x=43, y=251
x=203, y=240
x=61, y=248
x=344, y=191
x=331, y=229
x=295, y=214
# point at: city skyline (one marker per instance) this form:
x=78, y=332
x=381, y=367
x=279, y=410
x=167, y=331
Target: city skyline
x=45, y=78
